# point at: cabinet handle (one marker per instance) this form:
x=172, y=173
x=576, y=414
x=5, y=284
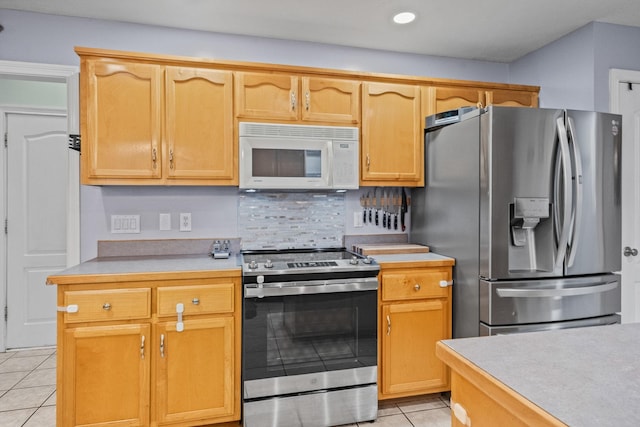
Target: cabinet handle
x=444, y=283
x=417, y=287
x=195, y=301
x=106, y=306
x=388, y=325
x=154, y=157
x=162, y=345
x=368, y=161
x=307, y=100
x=293, y=101
x=142, y=347
x=171, y=158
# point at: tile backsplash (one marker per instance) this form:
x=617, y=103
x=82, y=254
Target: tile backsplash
x=291, y=220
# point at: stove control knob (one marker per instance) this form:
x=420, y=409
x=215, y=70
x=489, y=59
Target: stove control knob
x=268, y=264
x=367, y=260
x=253, y=265
x=354, y=260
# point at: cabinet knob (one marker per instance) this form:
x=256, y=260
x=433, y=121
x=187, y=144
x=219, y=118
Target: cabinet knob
x=417, y=287
x=195, y=301
x=106, y=306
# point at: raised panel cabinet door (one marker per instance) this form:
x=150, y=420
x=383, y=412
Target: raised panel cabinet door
x=195, y=371
x=409, y=333
x=392, y=135
x=266, y=96
x=106, y=376
x=330, y=100
x=122, y=120
x=512, y=98
x=439, y=99
x=199, y=125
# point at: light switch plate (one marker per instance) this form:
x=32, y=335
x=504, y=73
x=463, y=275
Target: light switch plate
x=165, y=222
x=125, y=224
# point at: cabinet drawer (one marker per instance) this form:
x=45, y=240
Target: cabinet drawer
x=200, y=299
x=105, y=305
x=414, y=285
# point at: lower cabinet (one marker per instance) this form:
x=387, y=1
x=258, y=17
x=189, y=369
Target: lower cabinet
x=415, y=313
x=153, y=353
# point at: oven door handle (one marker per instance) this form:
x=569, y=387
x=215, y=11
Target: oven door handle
x=309, y=287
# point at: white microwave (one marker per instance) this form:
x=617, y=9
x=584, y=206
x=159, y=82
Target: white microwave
x=298, y=157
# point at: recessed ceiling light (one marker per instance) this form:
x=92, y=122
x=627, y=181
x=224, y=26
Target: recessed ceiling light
x=404, y=17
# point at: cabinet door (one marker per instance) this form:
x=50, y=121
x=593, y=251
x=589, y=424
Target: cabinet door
x=106, y=376
x=330, y=100
x=512, y=98
x=199, y=125
x=196, y=370
x=266, y=96
x=392, y=135
x=409, y=333
x=439, y=99
x=121, y=109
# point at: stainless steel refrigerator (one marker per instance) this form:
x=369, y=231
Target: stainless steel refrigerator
x=527, y=201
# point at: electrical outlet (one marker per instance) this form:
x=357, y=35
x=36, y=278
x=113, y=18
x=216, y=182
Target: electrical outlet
x=185, y=222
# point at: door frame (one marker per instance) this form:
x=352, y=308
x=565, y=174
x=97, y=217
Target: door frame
x=617, y=76
x=48, y=73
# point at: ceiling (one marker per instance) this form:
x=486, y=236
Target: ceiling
x=492, y=30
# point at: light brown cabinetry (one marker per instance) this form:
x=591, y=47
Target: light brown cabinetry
x=444, y=98
x=415, y=313
x=150, y=124
x=392, y=135
x=294, y=98
x=124, y=359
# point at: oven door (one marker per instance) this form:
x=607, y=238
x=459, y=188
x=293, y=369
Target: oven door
x=299, y=337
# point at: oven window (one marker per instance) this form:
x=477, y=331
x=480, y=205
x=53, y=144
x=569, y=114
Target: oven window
x=283, y=163
x=301, y=334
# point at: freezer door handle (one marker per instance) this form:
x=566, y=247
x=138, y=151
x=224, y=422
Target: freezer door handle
x=564, y=226
x=577, y=185
x=566, y=292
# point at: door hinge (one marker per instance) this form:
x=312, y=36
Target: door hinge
x=6, y=139
x=6, y=313
x=6, y=226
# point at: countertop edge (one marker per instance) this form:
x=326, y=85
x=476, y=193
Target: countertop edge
x=72, y=279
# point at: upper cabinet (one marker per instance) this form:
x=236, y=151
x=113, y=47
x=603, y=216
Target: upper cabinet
x=294, y=98
x=392, y=135
x=121, y=121
x=167, y=120
x=146, y=124
x=437, y=99
x=512, y=98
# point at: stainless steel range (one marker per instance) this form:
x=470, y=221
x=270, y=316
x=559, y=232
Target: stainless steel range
x=309, y=340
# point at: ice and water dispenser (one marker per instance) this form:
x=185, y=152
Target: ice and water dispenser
x=531, y=235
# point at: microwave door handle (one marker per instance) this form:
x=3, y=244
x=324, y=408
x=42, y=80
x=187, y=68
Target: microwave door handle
x=563, y=146
x=578, y=188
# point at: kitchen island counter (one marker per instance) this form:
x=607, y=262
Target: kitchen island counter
x=578, y=377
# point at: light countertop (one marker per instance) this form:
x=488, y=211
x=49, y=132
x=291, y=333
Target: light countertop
x=583, y=377
x=429, y=257
x=124, y=268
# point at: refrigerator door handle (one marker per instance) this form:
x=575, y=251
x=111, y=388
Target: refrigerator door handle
x=577, y=185
x=565, y=157
x=527, y=293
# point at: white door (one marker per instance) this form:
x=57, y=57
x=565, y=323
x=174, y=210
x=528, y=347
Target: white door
x=628, y=104
x=37, y=184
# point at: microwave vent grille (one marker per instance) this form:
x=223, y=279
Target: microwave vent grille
x=293, y=131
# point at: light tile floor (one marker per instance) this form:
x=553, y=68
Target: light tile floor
x=28, y=388
x=28, y=396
